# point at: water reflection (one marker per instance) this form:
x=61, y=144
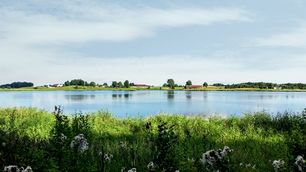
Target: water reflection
x=121, y=95
x=170, y=95
x=188, y=94
x=79, y=97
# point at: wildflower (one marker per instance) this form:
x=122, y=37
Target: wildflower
x=226, y=150
x=150, y=165
x=300, y=163
x=63, y=137
x=248, y=165
x=3, y=144
x=177, y=170
x=11, y=168
x=191, y=160
x=277, y=164
x=241, y=164
x=132, y=170
x=123, y=145
x=213, y=157
x=79, y=142
x=28, y=169
x=108, y=157
x=100, y=153
x=209, y=157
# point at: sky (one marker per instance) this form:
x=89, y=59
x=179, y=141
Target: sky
x=148, y=41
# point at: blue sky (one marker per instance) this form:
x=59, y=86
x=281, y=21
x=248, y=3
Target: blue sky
x=151, y=41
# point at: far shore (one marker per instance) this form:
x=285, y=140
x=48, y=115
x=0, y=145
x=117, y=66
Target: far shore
x=88, y=88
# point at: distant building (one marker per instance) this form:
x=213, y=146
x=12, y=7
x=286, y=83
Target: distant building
x=141, y=85
x=277, y=88
x=194, y=86
x=55, y=85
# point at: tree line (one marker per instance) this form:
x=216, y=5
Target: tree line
x=267, y=85
x=79, y=82
x=114, y=84
x=170, y=83
x=17, y=85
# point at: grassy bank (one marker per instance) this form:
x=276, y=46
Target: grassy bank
x=48, y=142
x=88, y=88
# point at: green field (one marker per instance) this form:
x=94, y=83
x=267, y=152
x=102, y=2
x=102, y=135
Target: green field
x=43, y=141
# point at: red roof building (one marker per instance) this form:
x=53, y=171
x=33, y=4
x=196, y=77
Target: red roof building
x=194, y=86
x=141, y=85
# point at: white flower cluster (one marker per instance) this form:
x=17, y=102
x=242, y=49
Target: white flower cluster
x=79, y=142
x=123, y=145
x=300, y=163
x=63, y=137
x=278, y=164
x=151, y=165
x=108, y=157
x=132, y=170
x=211, y=157
x=249, y=165
x=14, y=168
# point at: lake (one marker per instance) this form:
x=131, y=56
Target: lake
x=144, y=103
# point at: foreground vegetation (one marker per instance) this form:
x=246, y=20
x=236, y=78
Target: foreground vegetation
x=100, y=142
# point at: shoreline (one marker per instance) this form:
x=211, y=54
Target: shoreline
x=219, y=90
x=145, y=89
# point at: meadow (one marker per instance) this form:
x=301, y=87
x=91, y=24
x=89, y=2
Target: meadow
x=100, y=142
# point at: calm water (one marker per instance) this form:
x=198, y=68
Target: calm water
x=143, y=103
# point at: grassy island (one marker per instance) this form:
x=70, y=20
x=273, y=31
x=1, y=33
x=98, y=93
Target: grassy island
x=100, y=142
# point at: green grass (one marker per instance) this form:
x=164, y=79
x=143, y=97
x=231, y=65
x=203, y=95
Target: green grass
x=30, y=136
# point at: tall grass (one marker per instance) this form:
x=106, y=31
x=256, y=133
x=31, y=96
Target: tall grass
x=43, y=140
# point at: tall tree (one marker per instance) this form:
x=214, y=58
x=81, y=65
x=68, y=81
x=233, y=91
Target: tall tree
x=114, y=84
x=120, y=85
x=92, y=84
x=205, y=84
x=188, y=83
x=67, y=83
x=171, y=83
x=126, y=84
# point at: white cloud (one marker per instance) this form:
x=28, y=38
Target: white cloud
x=103, y=24
x=294, y=38
x=28, y=33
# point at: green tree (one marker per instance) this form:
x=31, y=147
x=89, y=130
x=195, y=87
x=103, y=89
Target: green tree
x=171, y=83
x=188, y=83
x=114, y=84
x=105, y=84
x=120, y=85
x=67, y=83
x=79, y=82
x=205, y=84
x=92, y=84
x=126, y=84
